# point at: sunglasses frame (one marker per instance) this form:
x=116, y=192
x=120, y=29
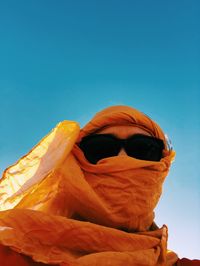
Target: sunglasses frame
x=120, y=143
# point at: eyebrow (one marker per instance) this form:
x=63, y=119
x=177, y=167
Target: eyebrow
x=115, y=136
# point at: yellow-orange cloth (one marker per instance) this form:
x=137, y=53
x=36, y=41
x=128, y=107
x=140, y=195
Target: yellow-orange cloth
x=58, y=208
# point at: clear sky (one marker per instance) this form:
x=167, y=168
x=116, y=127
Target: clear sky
x=68, y=59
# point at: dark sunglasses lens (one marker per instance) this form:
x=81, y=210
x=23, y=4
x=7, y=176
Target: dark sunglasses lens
x=97, y=147
x=144, y=148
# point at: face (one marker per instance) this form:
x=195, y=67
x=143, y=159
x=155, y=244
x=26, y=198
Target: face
x=123, y=132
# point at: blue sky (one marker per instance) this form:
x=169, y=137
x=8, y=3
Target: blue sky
x=69, y=59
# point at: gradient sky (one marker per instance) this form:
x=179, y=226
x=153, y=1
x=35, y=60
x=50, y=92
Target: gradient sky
x=69, y=59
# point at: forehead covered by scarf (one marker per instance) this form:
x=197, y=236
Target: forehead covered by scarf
x=122, y=115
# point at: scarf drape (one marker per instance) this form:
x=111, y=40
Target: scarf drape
x=58, y=208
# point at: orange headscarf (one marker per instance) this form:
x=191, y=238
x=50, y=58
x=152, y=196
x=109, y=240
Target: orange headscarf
x=66, y=210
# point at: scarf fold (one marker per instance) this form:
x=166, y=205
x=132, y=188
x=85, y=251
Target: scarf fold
x=54, y=239
x=58, y=208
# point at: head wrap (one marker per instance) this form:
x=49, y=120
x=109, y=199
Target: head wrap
x=122, y=115
x=95, y=214
x=126, y=189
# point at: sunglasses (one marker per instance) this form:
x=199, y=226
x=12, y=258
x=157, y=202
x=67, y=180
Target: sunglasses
x=98, y=146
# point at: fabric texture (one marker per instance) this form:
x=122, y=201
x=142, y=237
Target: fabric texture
x=57, y=208
x=186, y=262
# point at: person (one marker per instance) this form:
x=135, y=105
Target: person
x=87, y=197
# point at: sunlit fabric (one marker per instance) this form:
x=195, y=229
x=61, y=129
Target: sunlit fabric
x=23, y=178
x=66, y=211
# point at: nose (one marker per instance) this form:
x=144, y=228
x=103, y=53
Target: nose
x=122, y=152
